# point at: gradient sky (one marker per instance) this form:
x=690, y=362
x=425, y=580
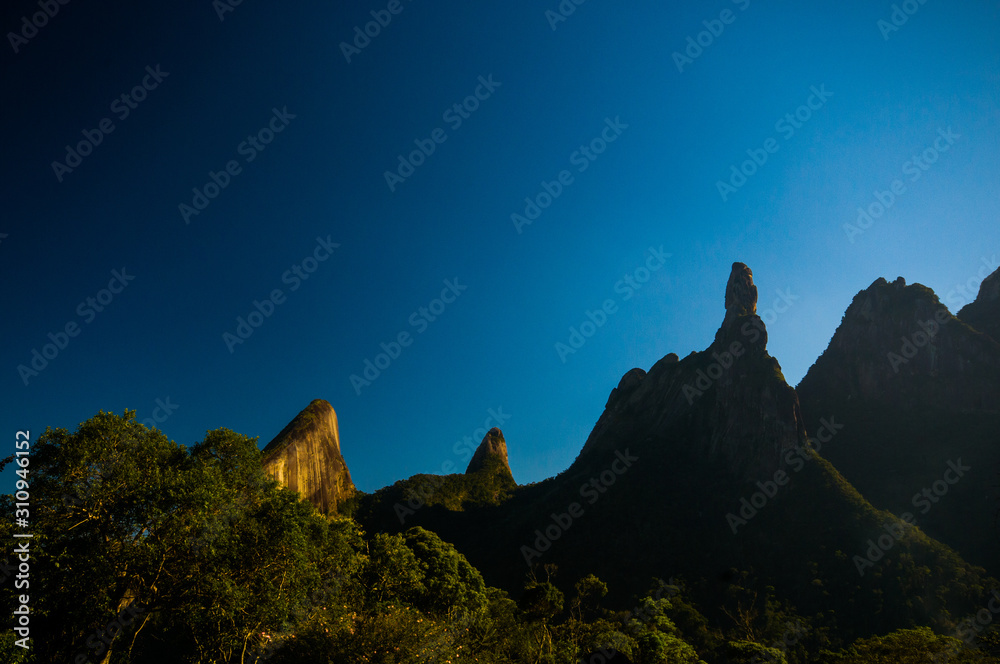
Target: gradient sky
x=553, y=92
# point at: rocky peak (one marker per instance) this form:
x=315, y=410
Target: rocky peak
x=989, y=290
x=741, y=324
x=898, y=344
x=730, y=399
x=741, y=293
x=628, y=383
x=491, y=454
x=984, y=313
x=305, y=457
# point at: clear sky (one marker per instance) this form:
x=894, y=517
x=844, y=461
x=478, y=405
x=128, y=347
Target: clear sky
x=611, y=121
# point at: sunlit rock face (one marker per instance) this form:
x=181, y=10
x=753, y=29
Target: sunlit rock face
x=491, y=454
x=306, y=458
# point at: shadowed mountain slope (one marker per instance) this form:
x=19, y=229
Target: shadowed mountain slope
x=917, y=392
x=700, y=468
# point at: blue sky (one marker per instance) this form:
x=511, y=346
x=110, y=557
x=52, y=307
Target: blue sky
x=550, y=101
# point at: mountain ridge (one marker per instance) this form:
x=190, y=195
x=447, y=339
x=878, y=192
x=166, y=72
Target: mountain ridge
x=700, y=467
x=918, y=390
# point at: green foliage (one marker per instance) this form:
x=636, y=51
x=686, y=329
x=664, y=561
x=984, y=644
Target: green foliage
x=450, y=583
x=10, y=653
x=202, y=547
x=390, y=572
x=541, y=601
x=749, y=652
x=905, y=646
x=658, y=638
x=222, y=565
x=589, y=591
x=492, y=485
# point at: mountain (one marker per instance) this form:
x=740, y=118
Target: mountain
x=491, y=455
x=733, y=393
x=702, y=469
x=916, y=391
x=487, y=481
x=305, y=456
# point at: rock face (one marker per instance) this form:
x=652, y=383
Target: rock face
x=491, y=455
x=899, y=345
x=701, y=465
x=741, y=293
x=305, y=457
x=914, y=389
x=681, y=474
x=428, y=500
x=984, y=313
x=731, y=396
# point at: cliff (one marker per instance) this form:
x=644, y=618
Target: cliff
x=305, y=457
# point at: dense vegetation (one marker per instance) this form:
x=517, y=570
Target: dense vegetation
x=148, y=551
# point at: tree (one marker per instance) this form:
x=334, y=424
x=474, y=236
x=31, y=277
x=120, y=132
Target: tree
x=589, y=591
x=904, y=646
x=147, y=551
x=748, y=652
x=389, y=572
x=450, y=584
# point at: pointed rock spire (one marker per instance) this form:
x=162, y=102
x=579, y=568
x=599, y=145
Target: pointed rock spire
x=741, y=293
x=491, y=454
x=305, y=457
x=741, y=322
x=730, y=400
